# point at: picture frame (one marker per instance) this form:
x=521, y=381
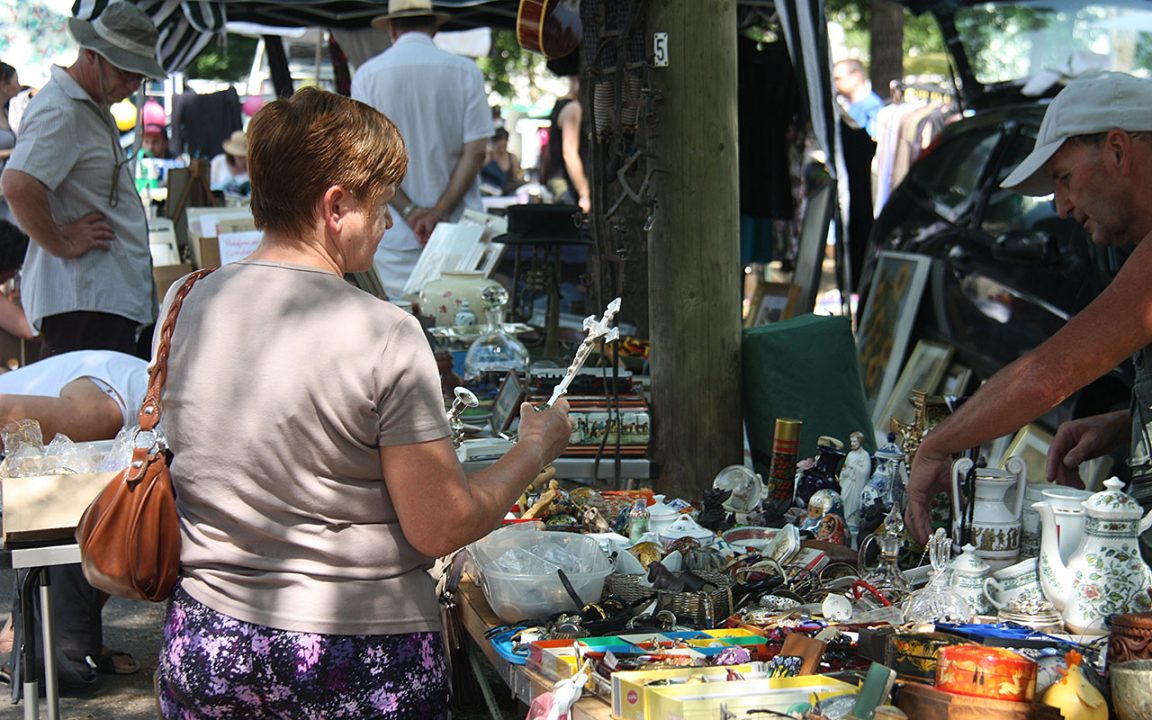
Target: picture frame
x=956, y=380
x=770, y=302
x=924, y=370
x=1031, y=444
x=886, y=326
x=507, y=402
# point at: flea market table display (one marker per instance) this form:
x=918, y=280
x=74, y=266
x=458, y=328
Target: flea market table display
x=760, y=597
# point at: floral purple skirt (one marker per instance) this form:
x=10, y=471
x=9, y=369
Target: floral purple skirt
x=214, y=666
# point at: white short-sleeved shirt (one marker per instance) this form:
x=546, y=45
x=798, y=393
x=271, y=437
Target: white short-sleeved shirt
x=70, y=145
x=123, y=377
x=437, y=101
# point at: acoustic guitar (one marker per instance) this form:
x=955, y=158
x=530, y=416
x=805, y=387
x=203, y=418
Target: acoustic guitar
x=549, y=27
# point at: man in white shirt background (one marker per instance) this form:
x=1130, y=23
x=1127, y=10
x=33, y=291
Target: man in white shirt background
x=438, y=102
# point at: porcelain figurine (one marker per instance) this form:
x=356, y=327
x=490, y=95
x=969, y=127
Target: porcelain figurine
x=853, y=476
x=1105, y=574
x=825, y=519
x=991, y=518
x=822, y=475
x=885, y=487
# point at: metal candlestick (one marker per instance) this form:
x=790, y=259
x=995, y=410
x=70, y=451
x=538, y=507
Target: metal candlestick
x=465, y=398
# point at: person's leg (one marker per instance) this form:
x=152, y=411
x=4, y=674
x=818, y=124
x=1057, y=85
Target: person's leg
x=85, y=330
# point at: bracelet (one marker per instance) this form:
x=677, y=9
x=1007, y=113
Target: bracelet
x=407, y=210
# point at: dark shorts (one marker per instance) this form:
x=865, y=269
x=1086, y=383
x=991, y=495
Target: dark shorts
x=86, y=330
x=214, y=666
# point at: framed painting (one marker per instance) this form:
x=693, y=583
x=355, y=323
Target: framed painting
x=923, y=371
x=1031, y=444
x=956, y=380
x=771, y=301
x=886, y=326
x=507, y=404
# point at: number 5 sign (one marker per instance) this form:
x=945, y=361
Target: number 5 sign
x=660, y=49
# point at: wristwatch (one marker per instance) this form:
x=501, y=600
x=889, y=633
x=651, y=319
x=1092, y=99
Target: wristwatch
x=407, y=210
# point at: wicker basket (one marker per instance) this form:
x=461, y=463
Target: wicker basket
x=627, y=587
x=704, y=607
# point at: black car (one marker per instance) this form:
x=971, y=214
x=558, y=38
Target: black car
x=1007, y=272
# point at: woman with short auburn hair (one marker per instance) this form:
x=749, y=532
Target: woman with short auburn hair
x=314, y=473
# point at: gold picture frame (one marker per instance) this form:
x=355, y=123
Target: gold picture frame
x=1031, y=444
x=770, y=302
x=923, y=371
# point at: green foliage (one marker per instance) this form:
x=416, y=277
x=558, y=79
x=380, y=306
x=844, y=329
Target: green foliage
x=228, y=59
x=921, y=33
x=508, y=60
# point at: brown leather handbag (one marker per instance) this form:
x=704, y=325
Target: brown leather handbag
x=130, y=535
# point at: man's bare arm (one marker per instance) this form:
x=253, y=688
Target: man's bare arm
x=423, y=220
x=28, y=199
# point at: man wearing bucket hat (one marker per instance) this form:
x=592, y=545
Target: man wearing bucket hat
x=438, y=101
x=88, y=275
x=87, y=281
x=1094, y=153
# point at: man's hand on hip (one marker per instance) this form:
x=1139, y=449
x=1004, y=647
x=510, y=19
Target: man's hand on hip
x=91, y=232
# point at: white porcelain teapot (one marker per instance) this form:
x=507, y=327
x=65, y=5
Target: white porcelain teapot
x=1105, y=574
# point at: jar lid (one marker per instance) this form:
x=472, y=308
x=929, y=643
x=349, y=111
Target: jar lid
x=1113, y=502
x=969, y=563
x=660, y=509
x=985, y=656
x=1142, y=620
x=685, y=526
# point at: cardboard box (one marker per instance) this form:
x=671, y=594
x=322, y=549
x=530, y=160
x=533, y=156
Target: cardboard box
x=48, y=507
x=205, y=251
x=165, y=275
x=630, y=687
x=702, y=701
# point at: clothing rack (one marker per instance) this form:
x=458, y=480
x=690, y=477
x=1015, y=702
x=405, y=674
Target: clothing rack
x=913, y=91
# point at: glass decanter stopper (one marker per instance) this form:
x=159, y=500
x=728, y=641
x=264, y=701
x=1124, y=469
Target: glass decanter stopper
x=885, y=576
x=495, y=351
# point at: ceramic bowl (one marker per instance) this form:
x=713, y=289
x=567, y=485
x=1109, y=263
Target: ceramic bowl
x=750, y=536
x=1066, y=498
x=1131, y=684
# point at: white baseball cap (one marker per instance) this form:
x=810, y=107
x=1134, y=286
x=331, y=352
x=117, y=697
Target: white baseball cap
x=1086, y=106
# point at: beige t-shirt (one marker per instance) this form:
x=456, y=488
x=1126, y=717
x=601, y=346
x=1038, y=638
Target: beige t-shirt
x=283, y=383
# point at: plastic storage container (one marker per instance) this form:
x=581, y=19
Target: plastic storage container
x=518, y=571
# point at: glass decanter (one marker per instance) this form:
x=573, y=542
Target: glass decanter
x=885, y=576
x=938, y=601
x=495, y=351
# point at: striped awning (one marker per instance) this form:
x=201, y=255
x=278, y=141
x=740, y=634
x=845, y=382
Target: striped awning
x=185, y=26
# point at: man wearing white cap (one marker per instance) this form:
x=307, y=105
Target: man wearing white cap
x=437, y=100
x=1094, y=153
x=88, y=274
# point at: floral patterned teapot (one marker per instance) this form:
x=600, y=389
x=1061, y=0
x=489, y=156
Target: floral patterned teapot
x=1105, y=574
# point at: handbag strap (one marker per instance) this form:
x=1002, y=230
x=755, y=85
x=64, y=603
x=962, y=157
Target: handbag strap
x=150, y=409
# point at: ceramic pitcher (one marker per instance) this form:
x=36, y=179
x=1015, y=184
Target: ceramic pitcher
x=993, y=513
x=1105, y=574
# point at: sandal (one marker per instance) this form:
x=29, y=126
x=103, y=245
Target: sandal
x=116, y=662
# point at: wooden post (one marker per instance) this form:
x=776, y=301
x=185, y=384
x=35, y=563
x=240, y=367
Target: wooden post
x=693, y=245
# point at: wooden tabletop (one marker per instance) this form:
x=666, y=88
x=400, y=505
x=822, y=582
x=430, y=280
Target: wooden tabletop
x=526, y=684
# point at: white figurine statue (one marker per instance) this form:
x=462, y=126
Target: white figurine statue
x=853, y=476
